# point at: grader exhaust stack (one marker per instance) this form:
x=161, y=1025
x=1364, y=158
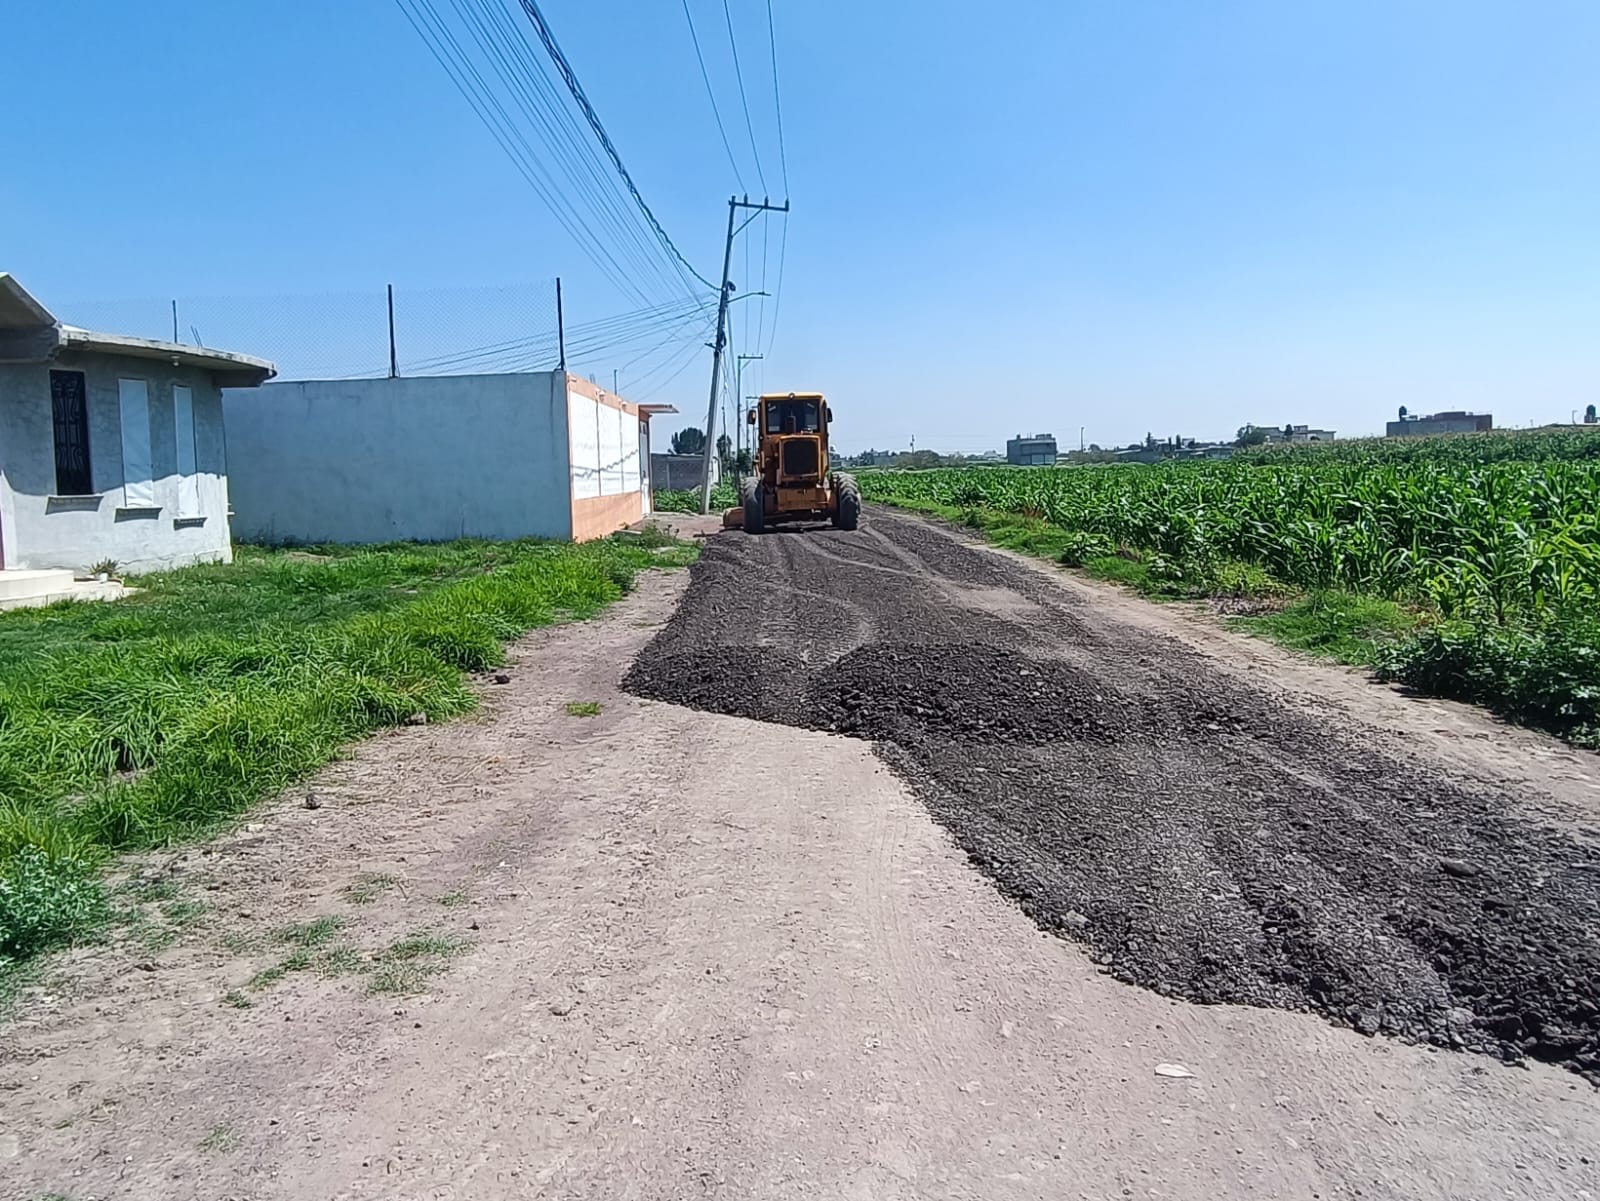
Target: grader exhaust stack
x=791, y=480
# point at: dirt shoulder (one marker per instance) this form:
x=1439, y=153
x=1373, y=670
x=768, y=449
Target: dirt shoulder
x=699, y=955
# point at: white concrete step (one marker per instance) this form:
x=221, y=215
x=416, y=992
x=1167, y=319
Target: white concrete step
x=18, y=585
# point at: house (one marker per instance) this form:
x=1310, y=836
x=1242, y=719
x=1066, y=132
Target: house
x=541, y=454
x=1423, y=426
x=111, y=447
x=1031, y=450
x=1296, y=434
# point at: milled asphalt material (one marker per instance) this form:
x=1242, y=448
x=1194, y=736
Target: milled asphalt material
x=1203, y=838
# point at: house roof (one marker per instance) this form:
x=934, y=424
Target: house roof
x=29, y=332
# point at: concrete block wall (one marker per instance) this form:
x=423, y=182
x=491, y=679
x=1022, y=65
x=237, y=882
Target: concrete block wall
x=412, y=459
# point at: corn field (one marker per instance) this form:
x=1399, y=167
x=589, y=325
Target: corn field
x=1493, y=541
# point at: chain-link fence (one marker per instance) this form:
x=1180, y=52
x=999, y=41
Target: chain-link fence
x=347, y=335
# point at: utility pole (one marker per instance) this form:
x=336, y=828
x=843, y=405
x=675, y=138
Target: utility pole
x=561, y=329
x=725, y=294
x=614, y=391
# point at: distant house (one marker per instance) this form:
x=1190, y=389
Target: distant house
x=1031, y=450
x=111, y=447
x=1455, y=422
x=541, y=454
x=1296, y=433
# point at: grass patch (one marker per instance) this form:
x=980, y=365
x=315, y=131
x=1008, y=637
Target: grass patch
x=453, y=899
x=583, y=708
x=234, y=999
x=222, y=1139
x=184, y=913
x=368, y=887
x=406, y=965
x=158, y=718
x=315, y=933
x=1336, y=625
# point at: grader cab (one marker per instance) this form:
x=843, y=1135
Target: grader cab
x=790, y=478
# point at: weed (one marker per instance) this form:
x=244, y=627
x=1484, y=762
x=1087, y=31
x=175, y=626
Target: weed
x=340, y=961
x=235, y=999
x=222, y=1139
x=184, y=913
x=583, y=708
x=46, y=900
x=1336, y=625
x=406, y=965
x=296, y=961
x=368, y=887
x=453, y=899
x=310, y=934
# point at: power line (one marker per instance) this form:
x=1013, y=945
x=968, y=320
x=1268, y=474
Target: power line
x=570, y=78
x=745, y=104
x=513, y=59
x=430, y=27
x=777, y=289
x=711, y=95
x=777, y=100
x=761, y=301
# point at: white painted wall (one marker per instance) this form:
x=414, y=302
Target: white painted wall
x=161, y=530
x=380, y=460
x=604, y=447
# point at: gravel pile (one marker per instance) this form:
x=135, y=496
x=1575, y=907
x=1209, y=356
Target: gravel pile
x=1203, y=839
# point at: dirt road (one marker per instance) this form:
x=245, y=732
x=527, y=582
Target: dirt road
x=699, y=955
x=1202, y=834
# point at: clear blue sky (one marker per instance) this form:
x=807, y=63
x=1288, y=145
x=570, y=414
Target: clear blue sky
x=1162, y=216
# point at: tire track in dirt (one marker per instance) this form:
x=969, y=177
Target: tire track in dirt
x=1200, y=836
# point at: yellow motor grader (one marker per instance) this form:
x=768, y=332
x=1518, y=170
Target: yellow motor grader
x=791, y=480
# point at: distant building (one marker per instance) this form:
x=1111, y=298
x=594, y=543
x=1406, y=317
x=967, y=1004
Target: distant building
x=1296, y=433
x=1454, y=422
x=1032, y=450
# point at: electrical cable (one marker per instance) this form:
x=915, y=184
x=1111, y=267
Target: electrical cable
x=513, y=60
x=712, y=96
x=777, y=290
x=777, y=100
x=437, y=38
x=745, y=104
x=570, y=78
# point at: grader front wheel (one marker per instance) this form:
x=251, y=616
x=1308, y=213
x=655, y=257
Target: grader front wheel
x=755, y=513
x=847, y=512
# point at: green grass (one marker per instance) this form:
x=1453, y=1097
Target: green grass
x=1337, y=625
x=583, y=708
x=221, y=1139
x=315, y=933
x=156, y=719
x=453, y=899
x=407, y=964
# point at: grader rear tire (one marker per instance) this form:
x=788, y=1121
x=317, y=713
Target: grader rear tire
x=847, y=512
x=755, y=513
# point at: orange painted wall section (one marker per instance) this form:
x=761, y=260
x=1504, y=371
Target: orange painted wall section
x=597, y=516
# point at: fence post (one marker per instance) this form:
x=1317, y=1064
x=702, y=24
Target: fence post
x=561, y=329
x=394, y=369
